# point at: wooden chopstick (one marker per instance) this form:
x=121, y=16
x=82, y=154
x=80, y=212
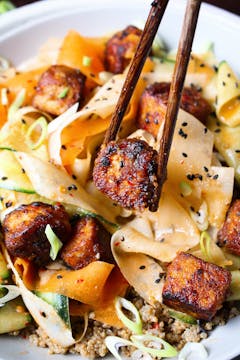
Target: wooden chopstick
x=180, y=69
x=154, y=18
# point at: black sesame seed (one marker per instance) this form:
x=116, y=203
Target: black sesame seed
x=4, y=178
x=109, y=88
x=236, y=84
x=142, y=267
x=223, y=83
x=205, y=130
x=121, y=164
x=228, y=75
x=215, y=68
x=147, y=121
x=64, y=147
x=190, y=177
x=182, y=133
x=23, y=121
x=105, y=161
x=74, y=177
x=157, y=281
x=59, y=276
x=205, y=169
x=192, y=208
x=184, y=155
x=184, y=123
x=202, y=65
x=72, y=187
x=154, y=3
x=215, y=177
x=8, y=204
x=200, y=177
x=237, y=151
x=23, y=171
x=217, y=130
x=155, y=121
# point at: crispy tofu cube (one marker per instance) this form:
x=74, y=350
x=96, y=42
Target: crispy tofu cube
x=195, y=287
x=229, y=235
x=89, y=242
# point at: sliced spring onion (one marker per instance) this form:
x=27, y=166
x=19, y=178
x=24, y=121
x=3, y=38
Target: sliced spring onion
x=4, y=97
x=85, y=317
x=205, y=243
x=185, y=188
x=113, y=344
x=188, y=319
x=134, y=326
x=158, y=47
x=16, y=104
x=7, y=148
x=63, y=93
x=167, y=351
x=86, y=61
x=193, y=351
x=42, y=123
x=13, y=292
x=5, y=6
x=55, y=243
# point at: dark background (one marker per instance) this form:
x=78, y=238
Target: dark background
x=230, y=5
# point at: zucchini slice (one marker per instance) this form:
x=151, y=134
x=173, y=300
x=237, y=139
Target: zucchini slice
x=13, y=316
x=59, y=302
x=4, y=271
x=12, y=176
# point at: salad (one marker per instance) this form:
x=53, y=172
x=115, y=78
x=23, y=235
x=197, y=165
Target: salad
x=85, y=266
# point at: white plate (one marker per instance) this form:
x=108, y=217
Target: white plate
x=22, y=31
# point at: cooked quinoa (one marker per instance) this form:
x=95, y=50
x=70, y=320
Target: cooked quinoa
x=156, y=321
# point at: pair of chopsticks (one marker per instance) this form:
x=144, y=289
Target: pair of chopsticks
x=156, y=13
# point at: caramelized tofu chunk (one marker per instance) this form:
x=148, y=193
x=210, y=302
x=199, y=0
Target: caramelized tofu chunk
x=24, y=230
x=59, y=88
x=195, y=287
x=229, y=235
x=125, y=171
x=153, y=104
x=89, y=242
x=121, y=48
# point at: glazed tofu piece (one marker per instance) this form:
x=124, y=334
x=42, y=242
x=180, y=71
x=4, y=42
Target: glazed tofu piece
x=89, y=242
x=153, y=104
x=125, y=171
x=121, y=48
x=59, y=88
x=195, y=287
x=229, y=234
x=24, y=230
